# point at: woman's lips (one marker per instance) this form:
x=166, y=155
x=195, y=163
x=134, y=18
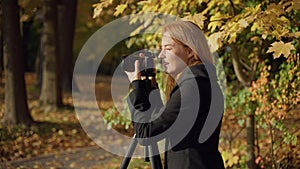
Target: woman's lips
x=164, y=63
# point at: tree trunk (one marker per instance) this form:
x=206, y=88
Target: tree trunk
x=241, y=75
x=250, y=141
x=16, y=108
x=1, y=51
x=66, y=30
x=39, y=65
x=246, y=77
x=51, y=96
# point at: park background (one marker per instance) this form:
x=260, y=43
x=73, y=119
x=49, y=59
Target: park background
x=257, y=42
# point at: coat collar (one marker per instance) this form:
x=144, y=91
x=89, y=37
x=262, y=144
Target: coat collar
x=198, y=71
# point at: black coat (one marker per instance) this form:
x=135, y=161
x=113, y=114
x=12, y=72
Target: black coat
x=186, y=152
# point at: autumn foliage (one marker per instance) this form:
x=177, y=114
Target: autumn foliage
x=258, y=43
x=258, y=46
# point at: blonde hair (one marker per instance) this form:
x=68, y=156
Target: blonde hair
x=188, y=34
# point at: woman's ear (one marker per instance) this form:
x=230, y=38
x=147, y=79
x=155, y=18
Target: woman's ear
x=191, y=54
x=192, y=57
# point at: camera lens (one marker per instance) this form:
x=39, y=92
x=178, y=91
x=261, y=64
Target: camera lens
x=146, y=62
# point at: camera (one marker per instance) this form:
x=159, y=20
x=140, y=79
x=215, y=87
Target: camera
x=146, y=62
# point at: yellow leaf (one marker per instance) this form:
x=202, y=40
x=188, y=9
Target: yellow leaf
x=275, y=8
x=243, y=23
x=98, y=7
x=97, y=10
x=213, y=25
x=60, y=132
x=215, y=40
x=134, y=19
x=199, y=19
x=280, y=48
x=120, y=9
x=255, y=38
x=232, y=37
x=264, y=36
x=255, y=26
x=233, y=160
x=296, y=34
x=216, y=21
x=296, y=4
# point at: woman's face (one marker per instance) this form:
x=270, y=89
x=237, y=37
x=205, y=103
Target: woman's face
x=174, y=56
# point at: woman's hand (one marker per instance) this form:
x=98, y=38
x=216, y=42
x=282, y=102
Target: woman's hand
x=136, y=75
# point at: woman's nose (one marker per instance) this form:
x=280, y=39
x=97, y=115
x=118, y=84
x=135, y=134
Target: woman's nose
x=161, y=54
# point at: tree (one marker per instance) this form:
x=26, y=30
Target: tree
x=1, y=50
x=31, y=21
x=247, y=31
x=66, y=29
x=51, y=96
x=16, y=108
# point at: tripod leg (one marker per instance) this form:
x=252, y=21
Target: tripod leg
x=146, y=152
x=155, y=157
x=129, y=153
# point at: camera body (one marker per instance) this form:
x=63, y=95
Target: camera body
x=146, y=60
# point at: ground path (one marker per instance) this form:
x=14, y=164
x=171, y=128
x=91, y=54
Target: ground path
x=83, y=158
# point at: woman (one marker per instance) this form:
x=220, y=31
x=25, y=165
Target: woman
x=185, y=57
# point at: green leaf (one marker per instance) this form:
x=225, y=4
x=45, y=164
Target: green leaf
x=241, y=122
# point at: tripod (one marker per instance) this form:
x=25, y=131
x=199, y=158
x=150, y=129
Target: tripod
x=152, y=149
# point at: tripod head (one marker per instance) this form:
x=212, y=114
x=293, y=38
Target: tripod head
x=148, y=81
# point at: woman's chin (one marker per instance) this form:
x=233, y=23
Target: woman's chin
x=165, y=69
